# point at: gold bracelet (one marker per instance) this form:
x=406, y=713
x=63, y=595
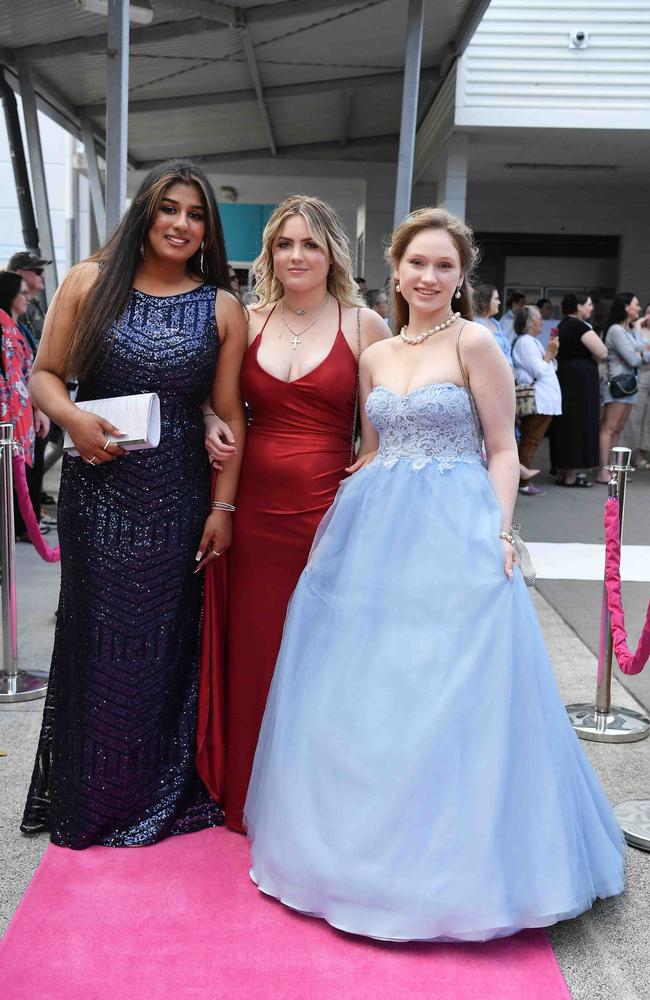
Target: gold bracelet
x=209, y=413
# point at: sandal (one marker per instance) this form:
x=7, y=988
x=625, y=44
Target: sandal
x=577, y=482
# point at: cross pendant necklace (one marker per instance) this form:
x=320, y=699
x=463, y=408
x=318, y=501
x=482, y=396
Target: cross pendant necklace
x=296, y=336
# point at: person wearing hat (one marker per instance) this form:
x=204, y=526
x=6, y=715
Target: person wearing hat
x=30, y=266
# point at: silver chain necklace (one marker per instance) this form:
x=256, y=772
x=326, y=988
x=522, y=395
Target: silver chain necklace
x=296, y=336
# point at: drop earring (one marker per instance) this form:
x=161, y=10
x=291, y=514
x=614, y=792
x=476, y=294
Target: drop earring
x=397, y=288
x=142, y=250
x=201, y=258
x=457, y=295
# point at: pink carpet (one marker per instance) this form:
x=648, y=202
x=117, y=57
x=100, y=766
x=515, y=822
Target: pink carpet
x=182, y=921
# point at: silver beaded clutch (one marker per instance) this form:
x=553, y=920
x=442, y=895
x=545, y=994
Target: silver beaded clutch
x=523, y=557
x=138, y=416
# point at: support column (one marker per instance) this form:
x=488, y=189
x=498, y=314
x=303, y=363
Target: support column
x=117, y=95
x=37, y=170
x=19, y=166
x=452, y=176
x=408, y=123
x=94, y=180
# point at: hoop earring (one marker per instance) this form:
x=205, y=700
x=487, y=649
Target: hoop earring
x=201, y=258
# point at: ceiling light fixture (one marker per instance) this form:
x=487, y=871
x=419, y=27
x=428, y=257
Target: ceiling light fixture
x=140, y=11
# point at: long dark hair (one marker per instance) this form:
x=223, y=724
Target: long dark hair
x=10, y=284
x=463, y=238
x=617, y=312
x=120, y=258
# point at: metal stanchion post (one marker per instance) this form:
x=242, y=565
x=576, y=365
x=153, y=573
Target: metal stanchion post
x=604, y=722
x=15, y=684
x=634, y=820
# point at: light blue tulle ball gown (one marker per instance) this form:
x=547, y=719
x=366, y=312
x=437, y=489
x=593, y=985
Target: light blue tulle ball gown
x=416, y=775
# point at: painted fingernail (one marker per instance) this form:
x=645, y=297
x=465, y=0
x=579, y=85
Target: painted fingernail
x=198, y=556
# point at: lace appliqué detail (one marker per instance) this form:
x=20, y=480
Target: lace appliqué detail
x=433, y=423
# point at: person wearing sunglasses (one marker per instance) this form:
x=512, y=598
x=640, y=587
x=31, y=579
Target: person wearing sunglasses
x=30, y=267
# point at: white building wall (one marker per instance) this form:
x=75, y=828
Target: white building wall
x=54, y=141
x=570, y=208
x=519, y=70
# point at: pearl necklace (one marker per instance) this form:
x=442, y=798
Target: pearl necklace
x=428, y=333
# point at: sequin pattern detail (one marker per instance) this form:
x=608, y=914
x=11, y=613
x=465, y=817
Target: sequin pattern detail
x=115, y=763
x=433, y=423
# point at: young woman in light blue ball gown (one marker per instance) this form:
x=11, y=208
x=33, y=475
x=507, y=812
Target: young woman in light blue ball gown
x=416, y=775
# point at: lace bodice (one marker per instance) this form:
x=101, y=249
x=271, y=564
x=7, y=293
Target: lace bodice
x=433, y=423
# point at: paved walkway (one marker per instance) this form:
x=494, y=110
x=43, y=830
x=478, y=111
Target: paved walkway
x=603, y=954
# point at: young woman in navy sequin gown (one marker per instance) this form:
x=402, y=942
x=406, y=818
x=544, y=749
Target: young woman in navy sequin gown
x=150, y=313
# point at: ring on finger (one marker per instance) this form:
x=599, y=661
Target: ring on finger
x=91, y=461
x=215, y=553
x=106, y=444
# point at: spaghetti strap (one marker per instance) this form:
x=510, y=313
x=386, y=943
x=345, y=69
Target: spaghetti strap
x=266, y=320
x=477, y=420
x=460, y=362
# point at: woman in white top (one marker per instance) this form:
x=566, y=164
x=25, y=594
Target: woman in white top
x=533, y=364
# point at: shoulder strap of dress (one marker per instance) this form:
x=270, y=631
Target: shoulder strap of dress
x=472, y=404
x=267, y=319
x=340, y=317
x=460, y=360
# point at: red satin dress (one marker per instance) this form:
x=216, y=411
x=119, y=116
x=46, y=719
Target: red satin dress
x=297, y=449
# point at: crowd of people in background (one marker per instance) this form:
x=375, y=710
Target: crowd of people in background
x=590, y=382
x=588, y=388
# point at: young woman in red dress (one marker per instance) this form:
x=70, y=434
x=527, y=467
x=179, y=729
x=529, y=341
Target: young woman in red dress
x=299, y=377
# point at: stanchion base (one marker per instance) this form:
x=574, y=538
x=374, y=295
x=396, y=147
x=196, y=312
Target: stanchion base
x=634, y=820
x=619, y=725
x=24, y=686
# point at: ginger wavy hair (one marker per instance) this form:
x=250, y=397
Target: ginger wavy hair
x=326, y=230
x=463, y=238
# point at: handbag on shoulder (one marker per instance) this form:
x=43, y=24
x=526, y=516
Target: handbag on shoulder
x=525, y=405
x=138, y=416
x=623, y=385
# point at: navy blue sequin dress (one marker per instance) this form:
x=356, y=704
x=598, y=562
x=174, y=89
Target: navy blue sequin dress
x=115, y=763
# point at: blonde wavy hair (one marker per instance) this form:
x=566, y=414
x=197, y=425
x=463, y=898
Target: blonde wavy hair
x=463, y=237
x=326, y=230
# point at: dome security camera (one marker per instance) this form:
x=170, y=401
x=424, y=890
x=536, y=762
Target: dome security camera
x=578, y=39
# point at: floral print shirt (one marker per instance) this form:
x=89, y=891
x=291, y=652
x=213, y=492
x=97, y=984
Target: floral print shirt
x=15, y=403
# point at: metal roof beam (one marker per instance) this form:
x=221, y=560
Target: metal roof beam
x=351, y=83
x=285, y=152
x=219, y=12
x=263, y=13
x=345, y=118
x=57, y=107
x=260, y=14
x=259, y=90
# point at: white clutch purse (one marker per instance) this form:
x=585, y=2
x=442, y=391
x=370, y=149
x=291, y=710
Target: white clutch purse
x=138, y=416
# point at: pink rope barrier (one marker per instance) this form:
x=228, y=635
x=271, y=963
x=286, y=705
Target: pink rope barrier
x=630, y=663
x=44, y=550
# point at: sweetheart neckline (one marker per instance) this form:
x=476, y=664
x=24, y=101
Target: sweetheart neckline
x=418, y=388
